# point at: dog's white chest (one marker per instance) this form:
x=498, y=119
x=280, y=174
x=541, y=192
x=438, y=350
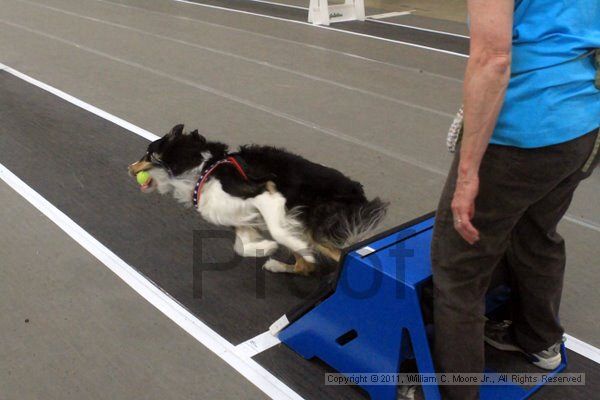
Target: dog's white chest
x=220, y=208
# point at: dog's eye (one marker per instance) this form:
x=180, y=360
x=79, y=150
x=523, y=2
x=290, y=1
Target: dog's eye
x=154, y=158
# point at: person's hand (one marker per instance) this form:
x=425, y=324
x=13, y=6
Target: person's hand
x=463, y=207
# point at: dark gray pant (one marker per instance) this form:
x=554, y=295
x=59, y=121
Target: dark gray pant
x=523, y=195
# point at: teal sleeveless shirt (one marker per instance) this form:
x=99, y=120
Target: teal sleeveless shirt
x=551, y=97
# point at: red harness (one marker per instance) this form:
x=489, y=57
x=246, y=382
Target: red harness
x=204, y=176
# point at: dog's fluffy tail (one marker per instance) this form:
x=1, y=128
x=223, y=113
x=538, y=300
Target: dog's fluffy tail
x=344, y=226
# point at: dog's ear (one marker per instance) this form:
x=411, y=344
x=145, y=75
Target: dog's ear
x=198, y=136
x=176, y=131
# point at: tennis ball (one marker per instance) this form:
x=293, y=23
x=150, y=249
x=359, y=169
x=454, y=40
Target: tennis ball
x=142, y=177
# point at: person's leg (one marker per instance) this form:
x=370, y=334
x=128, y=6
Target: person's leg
x=462, y=272
x=536, y=261
x=536, y=257
x=511, y=182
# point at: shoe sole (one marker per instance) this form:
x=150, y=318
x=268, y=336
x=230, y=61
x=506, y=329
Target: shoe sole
x=503, y=346
x=548, y=364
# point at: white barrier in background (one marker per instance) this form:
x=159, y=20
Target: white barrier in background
x=321, y=13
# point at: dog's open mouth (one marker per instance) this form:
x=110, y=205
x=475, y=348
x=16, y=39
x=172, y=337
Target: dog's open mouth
x=139, y=170
x=147, y=185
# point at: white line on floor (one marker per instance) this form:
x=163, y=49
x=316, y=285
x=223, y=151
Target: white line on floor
x=164, y=302
x=325, y=27
x=583, y=348
x=260, y=63
x=583, y=222
x=258, y=344
x=390, y=14
x=418, y=28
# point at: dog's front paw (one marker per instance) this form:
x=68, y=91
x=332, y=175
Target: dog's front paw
x=277, y=266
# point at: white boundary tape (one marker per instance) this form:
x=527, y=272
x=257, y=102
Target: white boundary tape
x=418, y=28
x=583, y=348
x=258, y=344
x=390, y=14
x=237, y=357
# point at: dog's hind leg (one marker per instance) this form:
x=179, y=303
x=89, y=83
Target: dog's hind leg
x=284, y=230
x=334, y=253
x=250, y=243
x=302, y=266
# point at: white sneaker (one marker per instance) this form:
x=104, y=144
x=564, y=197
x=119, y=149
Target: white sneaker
x=498, y=334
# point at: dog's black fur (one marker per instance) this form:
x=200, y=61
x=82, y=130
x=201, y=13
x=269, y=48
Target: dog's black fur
x=328, y=200
x=332, y=208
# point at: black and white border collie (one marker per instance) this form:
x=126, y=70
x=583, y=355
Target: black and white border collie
x=306, y=207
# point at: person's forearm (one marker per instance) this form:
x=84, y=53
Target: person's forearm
x=485, y=84
x=486, y=80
